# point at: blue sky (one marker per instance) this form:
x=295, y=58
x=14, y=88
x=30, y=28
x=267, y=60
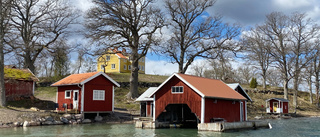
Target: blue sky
x=245, y=12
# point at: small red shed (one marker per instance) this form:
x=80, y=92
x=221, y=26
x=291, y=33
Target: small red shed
x=277, y=106
x=18, y=83
x=183, y=98
x=87, y=92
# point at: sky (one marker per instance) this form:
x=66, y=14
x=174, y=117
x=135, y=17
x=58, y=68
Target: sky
x=247, y=13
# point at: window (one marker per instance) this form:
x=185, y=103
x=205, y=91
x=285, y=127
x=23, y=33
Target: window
x=98, y=94
x=177, y=89
x=67, y=94
x=142, y=68
x=101, y=66
x=129, y=67
x=142, y=59
x=113, y=66
x=125, y=67
x=107, y=58
x=139, y=67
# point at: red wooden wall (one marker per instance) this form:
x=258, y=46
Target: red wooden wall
x=148, y=108
x=17, y=88
x=98, y=83
x=223, y=109
x=189, y=97
x=61, y=96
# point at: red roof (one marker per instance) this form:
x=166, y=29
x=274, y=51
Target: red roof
x=76, y=79
x=206, y=87
x=119, y=53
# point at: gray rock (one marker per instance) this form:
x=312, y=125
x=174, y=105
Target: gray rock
x=67, y=116
x=73, y=117
x=57, y=123
x=49, y=118
x=17, y=124
x=78, y=116
x=79, y=121
x=4, y=126
x=34, y=123
x=26, y=124
x=85, y=121
x=64, y=120
x=72, y=121
x=1, y=124
x=98, y=118
x=42, y=119
x=47, y=123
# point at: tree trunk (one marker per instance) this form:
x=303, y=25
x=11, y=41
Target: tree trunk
x=285, y=89
x=29, y=63
x=310, y=88
x=264, y=77
x=134, y=75
x=295, y=94
x=2, y=87
x=317, y=88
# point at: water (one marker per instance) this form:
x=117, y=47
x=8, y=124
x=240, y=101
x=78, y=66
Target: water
x=295, y=127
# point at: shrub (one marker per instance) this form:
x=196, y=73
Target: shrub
x=253, y=83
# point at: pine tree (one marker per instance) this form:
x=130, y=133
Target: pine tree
x=253, y=83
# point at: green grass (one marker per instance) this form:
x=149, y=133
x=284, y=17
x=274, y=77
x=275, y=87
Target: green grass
x=125, y=77
x=46, y=91
x=121, y=100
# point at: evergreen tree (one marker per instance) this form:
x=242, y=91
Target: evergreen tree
x=253, y=83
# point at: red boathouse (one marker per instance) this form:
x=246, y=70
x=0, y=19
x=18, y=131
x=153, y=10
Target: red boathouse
x=277, y=105
x=86, y=93
x=185, y=98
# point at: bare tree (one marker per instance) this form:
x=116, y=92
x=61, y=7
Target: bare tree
x=5, y=14
x=192, y=35
x=246, y=72
x=37, y=25
x=307, y=76
x=276, y=28
x=255, y=47
x=303, y=32
x=273, y=77
x=316, y=69
x=131, y=24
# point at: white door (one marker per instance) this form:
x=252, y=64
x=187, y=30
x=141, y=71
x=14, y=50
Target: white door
x=75, y=99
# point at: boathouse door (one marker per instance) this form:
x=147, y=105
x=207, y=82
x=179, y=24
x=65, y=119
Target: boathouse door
x=75, y=99
x=275, y=107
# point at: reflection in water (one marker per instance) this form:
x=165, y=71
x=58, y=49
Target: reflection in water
x=289, y=127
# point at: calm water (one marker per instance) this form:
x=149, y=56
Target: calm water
x=305, y=127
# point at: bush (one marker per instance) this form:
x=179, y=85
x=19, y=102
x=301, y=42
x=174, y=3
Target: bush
x=253, y=83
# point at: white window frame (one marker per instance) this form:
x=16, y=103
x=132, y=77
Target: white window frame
x=98, y=95
x=175, y=88
x=129, y=67
x=142, y=68
x=139, y=67
x=65, y=94
x=113, y=66
x=125, y=67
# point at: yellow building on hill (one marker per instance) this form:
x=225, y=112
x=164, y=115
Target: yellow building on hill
x=115, y=61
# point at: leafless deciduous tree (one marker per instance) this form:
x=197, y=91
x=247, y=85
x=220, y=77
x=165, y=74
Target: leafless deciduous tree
x=255, y=47
x=131, y=24
x=316, y=69
x=276, y=28
x=246, y=73
x=36, y=26
x=5, y=14
x=194, y=36
x=303, y=32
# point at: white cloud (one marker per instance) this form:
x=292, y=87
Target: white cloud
x=160, y=67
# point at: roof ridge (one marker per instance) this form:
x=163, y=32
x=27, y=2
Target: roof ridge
x=199, y=77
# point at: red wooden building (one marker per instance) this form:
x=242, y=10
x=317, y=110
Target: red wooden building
x=182, y=98
x=19, y=83
x=277, y=105
x=87, y=92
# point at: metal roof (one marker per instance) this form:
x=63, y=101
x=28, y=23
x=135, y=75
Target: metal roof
x=279, y=99
x=145, y=96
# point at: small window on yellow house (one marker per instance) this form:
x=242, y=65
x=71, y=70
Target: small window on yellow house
x=142, y=68
x=139, y=67
x=129, y=67
x=125, y=67
x=107, y=58
x=101, y=66
x=113, y=66
x=142, y=59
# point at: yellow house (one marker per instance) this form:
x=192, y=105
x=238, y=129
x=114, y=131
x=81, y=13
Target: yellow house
x=118, y=62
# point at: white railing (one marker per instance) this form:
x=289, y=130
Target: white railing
x=268, y=110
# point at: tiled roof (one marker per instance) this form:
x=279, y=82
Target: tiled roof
x=119, y=54
x=205, y=87
x=212, y=87
x=74, y=79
